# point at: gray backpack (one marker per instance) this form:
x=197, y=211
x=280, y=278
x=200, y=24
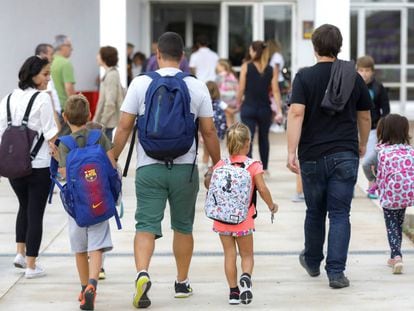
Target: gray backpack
x=16, y=151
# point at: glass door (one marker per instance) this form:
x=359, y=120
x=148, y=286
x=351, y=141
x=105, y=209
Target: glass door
x=244, y=22
x=278, y=26
x=383, y=33
x=237, y=29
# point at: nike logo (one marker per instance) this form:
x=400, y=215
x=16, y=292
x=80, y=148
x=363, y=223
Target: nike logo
x=97, y=205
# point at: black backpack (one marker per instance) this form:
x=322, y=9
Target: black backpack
x=16, y=151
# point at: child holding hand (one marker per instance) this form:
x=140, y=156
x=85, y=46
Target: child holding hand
x=241, y=235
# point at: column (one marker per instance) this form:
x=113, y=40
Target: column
x=112, y=30
x=337, y=13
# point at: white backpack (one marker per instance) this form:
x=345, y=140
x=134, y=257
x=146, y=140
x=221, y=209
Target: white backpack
x=228, y=197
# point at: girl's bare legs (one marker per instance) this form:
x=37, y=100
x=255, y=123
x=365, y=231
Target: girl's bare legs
x=245, y=245
x=230, y=259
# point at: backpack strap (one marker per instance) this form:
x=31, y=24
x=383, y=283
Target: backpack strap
x=131, y=149
x=69, y=142
x=53, y=170
x=93, y=137
x=29, y=108
x=9, y=120
x=153, y=75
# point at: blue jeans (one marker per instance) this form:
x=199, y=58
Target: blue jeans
x=328, y=185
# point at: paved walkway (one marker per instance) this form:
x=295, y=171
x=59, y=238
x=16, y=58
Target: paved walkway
x=279, y=281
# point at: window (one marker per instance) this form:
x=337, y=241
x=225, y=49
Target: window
x=354, y=35
x=278, y=25
x=410, y=39
x=383, y=36
x=240, y=33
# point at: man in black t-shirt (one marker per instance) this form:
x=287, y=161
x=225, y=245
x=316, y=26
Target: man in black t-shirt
x=328, y=148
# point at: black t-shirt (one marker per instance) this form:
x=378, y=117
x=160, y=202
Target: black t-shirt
x=324, y=134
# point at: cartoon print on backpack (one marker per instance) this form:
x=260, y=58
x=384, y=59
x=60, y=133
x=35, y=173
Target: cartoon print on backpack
x=228, y=197
x=227, y=187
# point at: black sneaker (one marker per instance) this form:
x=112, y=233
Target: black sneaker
x=246, y=294
x=182, y=290
x=142, y=286
x=88, y=298
x=234, y=298
x=338, y=280
x=311, y=271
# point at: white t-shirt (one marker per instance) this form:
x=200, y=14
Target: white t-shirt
x=204, y=61
x=277, y=59
x=134, y=103
x=41, y=119
x=56, y=103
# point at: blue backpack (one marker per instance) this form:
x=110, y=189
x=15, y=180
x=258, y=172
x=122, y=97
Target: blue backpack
x=167, y=129
x=92, y=186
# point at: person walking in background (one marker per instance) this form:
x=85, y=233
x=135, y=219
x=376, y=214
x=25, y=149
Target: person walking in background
x=45, y=50
x=158, y=181
x=380, y=108
x=395, y=181
x=240, y=236
x=277, y=63
x=111, y=92
x=256, y=78
x=203, y=62
x=138, y=62
x=220, y=112
x=328, y=153
x=62, y=69
x=31, y=190
x=228, y=86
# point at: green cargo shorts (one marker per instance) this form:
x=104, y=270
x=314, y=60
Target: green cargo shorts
x=154, y=185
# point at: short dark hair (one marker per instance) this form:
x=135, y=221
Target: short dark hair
x=171, y=46
x=31, y=68
x=365, y=62
x=327, y=40
x=394, y=130
x=42, y=48
x=109, y=55
x=202, y=40
x=139, y=55
x=77, y=110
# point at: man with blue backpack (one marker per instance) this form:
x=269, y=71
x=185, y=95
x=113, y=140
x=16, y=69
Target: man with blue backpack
x=89, y=196
x=169, y=107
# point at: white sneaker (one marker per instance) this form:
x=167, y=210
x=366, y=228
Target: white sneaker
x=37, y=272
x=19, y=261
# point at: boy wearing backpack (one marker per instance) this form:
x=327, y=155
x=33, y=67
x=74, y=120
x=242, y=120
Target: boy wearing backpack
x=166, y=104
x=90, y=241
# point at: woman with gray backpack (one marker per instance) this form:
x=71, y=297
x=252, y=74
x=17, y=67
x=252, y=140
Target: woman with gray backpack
x=27, y=125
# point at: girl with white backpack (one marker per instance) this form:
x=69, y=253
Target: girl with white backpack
x=231, y=202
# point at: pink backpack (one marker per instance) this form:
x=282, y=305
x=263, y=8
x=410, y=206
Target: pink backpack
x=396, y=176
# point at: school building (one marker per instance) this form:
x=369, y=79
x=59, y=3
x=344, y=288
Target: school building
x=381, y=28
